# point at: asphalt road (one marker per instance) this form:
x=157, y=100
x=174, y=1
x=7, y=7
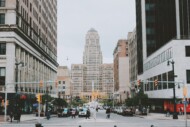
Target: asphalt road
x=99, y=120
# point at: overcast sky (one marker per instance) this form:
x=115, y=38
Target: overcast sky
x=112, y=19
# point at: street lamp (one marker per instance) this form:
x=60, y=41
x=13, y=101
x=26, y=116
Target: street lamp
x=16, y=86
x=175, y=116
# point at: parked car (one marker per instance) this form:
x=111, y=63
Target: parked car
x=82, y=112
x=66, y=112
x=144, y=111
x=59, y=112
x=128, y=112
x=120, y=110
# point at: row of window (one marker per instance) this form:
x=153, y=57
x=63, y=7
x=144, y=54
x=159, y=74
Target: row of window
x=63, y=82
x=2, y=18
x=2, y=75
x=2, y=3
x=2, y=48
x=167, y=84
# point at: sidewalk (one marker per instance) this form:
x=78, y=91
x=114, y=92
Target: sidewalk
x=162, y=116
x=24, y=117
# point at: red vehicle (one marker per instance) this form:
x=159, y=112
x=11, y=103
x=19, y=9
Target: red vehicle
x=170, y=106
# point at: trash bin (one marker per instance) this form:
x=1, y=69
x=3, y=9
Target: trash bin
x=39, y=125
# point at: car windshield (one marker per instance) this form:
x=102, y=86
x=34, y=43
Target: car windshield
x=84, y=109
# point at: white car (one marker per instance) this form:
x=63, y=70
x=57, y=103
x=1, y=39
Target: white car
x=82, y=112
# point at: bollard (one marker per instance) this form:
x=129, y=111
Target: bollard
x=80, y=126
x=115, y=126
x=152, y=126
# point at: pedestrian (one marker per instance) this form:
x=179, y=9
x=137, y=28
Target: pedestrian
x=11, y=115
x=168, y=112
x=180, y=111
x=48, y=115
x=73, y=113
x=96, y=108
x=108, y=111
x=18, y=116
x=88, y=114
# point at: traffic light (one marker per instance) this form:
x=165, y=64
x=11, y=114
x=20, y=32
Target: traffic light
x=41, y=83
x=138, y=82
x=39, y=98
x=156, y=82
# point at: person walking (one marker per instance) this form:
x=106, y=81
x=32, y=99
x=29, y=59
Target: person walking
x=180, y=111
x=48, y=115
x=11, y=115
x=88, y=114
x=97, y=109
x=168, y=112
x=73, y=113
x=108, y=111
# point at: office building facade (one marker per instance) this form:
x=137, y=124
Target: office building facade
x=163, y=35
x=64, y=83
x=133, y=68
x=28, y=40
x=121, y=71
x=92, y=59
x=92, y=80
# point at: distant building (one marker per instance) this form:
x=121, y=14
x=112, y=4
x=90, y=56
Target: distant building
x=64, y=83
x=92, y=59
x=92, y=79
x=106, y=79
x=121, y=70
x=77, y=76
x=133, y=69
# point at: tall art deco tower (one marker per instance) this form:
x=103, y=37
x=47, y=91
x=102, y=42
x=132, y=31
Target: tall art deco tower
x=92, y=59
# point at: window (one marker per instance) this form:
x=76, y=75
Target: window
x=2, y=48
x=63, y=82
x=30, y=7
x=164, y=78
x=2, y=18
x=63, y=87
x=187, y=50
x=170, y=78
x=59, y=82
x=160, y=83
x=2, y=3
x=2, y=75
x=188, y=76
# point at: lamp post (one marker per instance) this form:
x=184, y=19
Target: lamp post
x=175, y=116
x=16, y=80
x=46, y=101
